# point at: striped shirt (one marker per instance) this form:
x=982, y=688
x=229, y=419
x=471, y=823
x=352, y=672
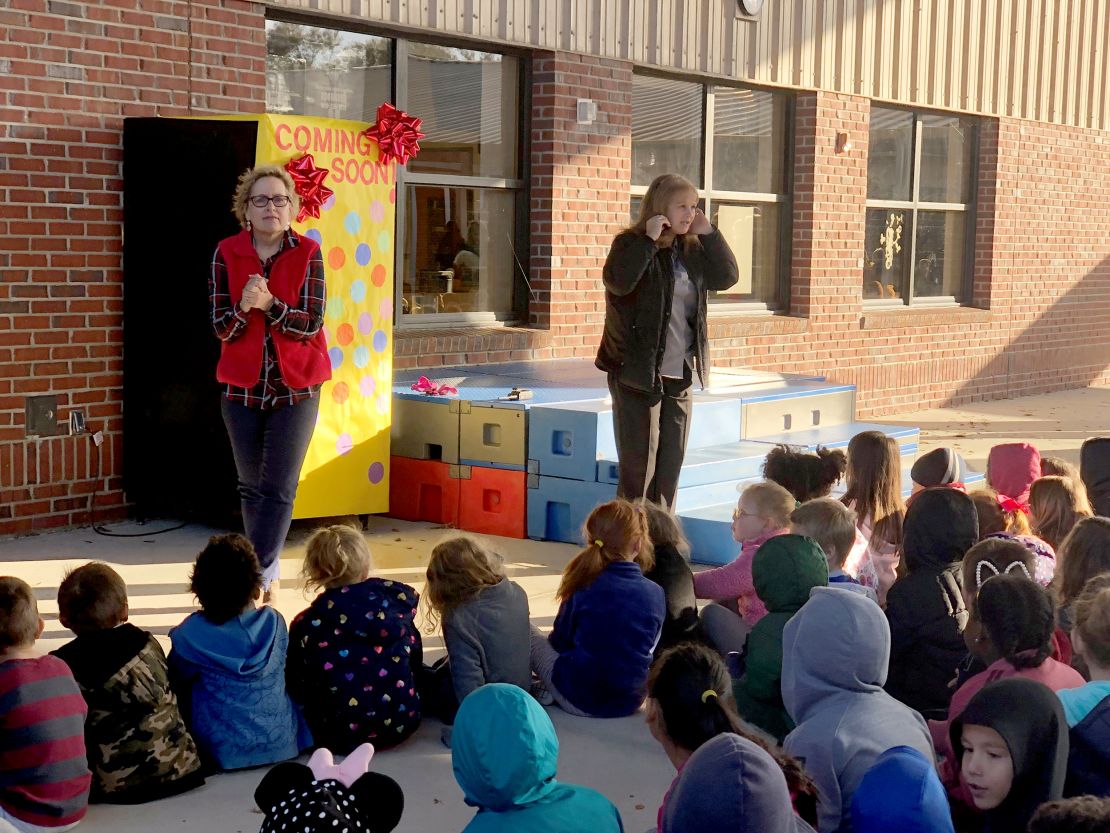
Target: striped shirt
x=301, y=323
x=44, y=774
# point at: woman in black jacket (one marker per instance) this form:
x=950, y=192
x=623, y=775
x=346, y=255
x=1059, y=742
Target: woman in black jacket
x=657, y=281
x=925, y=608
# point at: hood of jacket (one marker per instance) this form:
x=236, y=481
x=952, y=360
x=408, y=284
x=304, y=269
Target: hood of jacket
x=940, y=526
x=241, y=646
x=839, y=642
x=901, y=792
x=729, y=783
x=785, y=569
x=504, y=750
x=1012, y=468
x=940, y=467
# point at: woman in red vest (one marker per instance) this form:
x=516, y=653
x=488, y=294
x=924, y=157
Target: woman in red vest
x=268, y=294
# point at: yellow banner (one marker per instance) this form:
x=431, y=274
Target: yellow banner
x=346, y=470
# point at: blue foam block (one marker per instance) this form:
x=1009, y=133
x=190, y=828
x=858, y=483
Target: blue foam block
x=731, y=461
x=838, y=436
x=709, y=531
x=557, y=508
x=567, y=440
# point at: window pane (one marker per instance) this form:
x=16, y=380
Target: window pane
x=458, y=250
x=886, y=253
x=749, y=140
x=947, y=143
x=889, y=154
x=468, y=101
x=311, y=71
x=667, y=128
x=753, y=232
x=939, y=255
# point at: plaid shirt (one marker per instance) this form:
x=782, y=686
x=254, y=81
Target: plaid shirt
x=300, y=323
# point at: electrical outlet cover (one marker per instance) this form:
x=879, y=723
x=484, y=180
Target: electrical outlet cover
x=41, y=415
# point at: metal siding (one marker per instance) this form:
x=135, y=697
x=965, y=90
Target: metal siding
x=1045, y=60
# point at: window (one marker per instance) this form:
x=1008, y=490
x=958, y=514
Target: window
x=920, y=202
x=733, y=144
x=458, y=202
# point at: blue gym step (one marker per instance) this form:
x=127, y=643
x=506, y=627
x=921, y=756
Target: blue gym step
x=704, y=466
x=838, y=436
x=557, y=507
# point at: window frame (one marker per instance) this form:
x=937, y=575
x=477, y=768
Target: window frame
x=707, y=194
x=915, y=205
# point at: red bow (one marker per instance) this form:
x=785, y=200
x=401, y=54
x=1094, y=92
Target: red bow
x=1008, y=504
x=398, y=134
x=308, y=182
x=426, y=385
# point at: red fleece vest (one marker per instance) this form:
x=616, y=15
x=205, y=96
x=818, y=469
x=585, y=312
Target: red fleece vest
x=302, y=362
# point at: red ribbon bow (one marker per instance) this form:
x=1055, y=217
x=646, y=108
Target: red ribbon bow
x=398, y=134
x=427, y=386
x=1009, y=504
x=308, y=182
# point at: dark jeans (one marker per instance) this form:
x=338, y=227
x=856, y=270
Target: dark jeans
x=651, y=432
x=269, y=448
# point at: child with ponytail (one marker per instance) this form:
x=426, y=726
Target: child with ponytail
x=595, y=662
x=354, y=653
x=690, y=702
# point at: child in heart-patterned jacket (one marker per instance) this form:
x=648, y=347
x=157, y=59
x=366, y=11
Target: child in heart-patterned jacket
x=353, y=652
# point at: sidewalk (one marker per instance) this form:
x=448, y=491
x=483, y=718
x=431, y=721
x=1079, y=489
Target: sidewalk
x=617, y=757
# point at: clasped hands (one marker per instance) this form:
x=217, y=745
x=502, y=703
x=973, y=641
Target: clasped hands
x=256, y=294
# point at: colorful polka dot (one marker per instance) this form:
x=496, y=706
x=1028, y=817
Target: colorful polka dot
x=344, y=443
x=367, y=385
x=334, y=309
x=381, y=341
x=377, y=211
x=384, y=241
x=314, y=234
x=376, y=473
x=345, y=334
x=362, y=357
x=336, y=258
x=383, y=404
x=329, y=203
x=365, y=323
x=362, y=254
x=377, y=276
x=352, y=222
x=386, y=308
x=358, y=291
x=340, y=392
x=336, y=356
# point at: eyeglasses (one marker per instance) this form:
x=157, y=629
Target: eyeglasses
x=739, y=513
x=279, y=201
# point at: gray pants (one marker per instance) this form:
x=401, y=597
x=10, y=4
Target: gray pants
x=724, y=627
x=543, y=664
x=651, y=432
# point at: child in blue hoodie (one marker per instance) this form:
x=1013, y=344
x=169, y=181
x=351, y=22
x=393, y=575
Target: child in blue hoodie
x=227, y=664
x=902, y=792
x=505, y=755
x=354, y=652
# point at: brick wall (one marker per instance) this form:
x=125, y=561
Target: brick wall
x=70, y=72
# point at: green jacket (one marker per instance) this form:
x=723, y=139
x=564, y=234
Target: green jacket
x=785, y=569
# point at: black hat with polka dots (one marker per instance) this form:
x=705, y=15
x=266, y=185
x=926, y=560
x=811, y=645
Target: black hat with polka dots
x=294, y=802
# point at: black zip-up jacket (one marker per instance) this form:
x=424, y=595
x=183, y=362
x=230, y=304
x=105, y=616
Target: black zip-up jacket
x=639, y=283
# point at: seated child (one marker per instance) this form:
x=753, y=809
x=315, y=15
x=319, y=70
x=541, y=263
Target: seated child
x=354, y=652
x=690, y=703
x=806, y=475
x=138, y=747
x=1083, y=814
x=504, y=754
x=1011, y=470
x=1084, y=554
x=998, y=513
x=671, y=571
x=44, y=774
x=925, y=607
x=731, y=783
x=1087, y=708
x=1056, y=504
x=940, y=467
x=485, y=623
x=1012, y=744
x=902, y=793
x=1094, y=468
x=1059, y=467
x=762, y=513
x=595, y=662
x=786, y=569
x=832, y=525
x=1015, y=640
x=227, y=664
x=835, y=652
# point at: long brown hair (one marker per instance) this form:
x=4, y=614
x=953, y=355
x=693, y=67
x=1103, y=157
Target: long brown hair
x=874, y=478
x=659, y=195
x=458, y=570
x=1057, y=505
x=663, y=527
x=615, y=531
x=1084, y=554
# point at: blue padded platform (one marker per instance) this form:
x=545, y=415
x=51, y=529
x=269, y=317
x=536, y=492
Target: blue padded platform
x=557, y=508
x=712, y=464
x=838, y=436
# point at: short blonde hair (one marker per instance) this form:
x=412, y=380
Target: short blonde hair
x=458, y=570
x=830, y=523
x=335, y=557
x=246, y=182
x=19, y=613
x=771, y=502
